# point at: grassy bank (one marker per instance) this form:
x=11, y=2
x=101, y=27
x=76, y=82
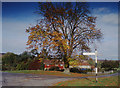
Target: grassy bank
x=105, y=81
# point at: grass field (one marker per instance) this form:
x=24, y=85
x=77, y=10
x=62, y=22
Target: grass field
x=105, y=81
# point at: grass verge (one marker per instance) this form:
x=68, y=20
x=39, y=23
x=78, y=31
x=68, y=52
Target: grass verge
x=55, y=73
x=105, y=81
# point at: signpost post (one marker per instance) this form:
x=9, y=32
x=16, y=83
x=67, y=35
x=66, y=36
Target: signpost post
x=95, y=61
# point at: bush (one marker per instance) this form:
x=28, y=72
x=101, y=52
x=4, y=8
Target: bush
x=21, y=66
x=35, y=65
x=62, y=70
x=78, y=70
x=89, y=70
x=18, y=67
x=83, y=71
x=4, y=68
x=110, y=65
x=54, y=68
x=9, y=61
x=7, y=67
x=24, y=56
x=75, y=70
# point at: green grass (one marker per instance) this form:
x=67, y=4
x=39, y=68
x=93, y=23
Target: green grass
x=105, y=81
x=55, y=73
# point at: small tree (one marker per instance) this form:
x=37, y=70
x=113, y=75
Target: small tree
x=9, y=61
x=24, y=56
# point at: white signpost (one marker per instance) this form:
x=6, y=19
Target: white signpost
x=95, y=61
x=88, y=53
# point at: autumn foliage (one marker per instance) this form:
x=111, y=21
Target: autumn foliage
x=63, y=28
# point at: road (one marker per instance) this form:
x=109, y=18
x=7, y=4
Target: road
x=21, y=79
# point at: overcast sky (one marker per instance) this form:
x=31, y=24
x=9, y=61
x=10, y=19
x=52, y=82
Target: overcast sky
x=16, y=17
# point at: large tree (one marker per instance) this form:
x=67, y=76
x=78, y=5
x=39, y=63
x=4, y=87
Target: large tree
x=63, y=29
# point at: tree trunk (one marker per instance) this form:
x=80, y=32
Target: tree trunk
x=66, y=65
x=67, y=71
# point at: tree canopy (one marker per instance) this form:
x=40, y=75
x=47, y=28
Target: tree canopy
x=64, y=28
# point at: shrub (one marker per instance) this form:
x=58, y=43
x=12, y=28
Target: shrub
x=110, y=65
x=18, y=67
x=89, y=70
x=21, y=66
x=9, y=61
x=83, y=71
x=35, y=65
x=75, y=70
x=79, y=70
x=54, y=68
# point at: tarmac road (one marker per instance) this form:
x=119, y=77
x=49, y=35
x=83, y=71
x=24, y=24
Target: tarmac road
x=21, y=79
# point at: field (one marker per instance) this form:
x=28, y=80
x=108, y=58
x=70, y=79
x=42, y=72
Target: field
x=105, y=81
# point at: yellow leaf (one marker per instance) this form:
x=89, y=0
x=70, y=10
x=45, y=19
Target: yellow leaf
x=36, y=47
x=92, y=28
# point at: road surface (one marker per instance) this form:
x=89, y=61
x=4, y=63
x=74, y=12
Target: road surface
x=21, y=79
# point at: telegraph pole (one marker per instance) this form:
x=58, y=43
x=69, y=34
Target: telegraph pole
x=96, y=64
